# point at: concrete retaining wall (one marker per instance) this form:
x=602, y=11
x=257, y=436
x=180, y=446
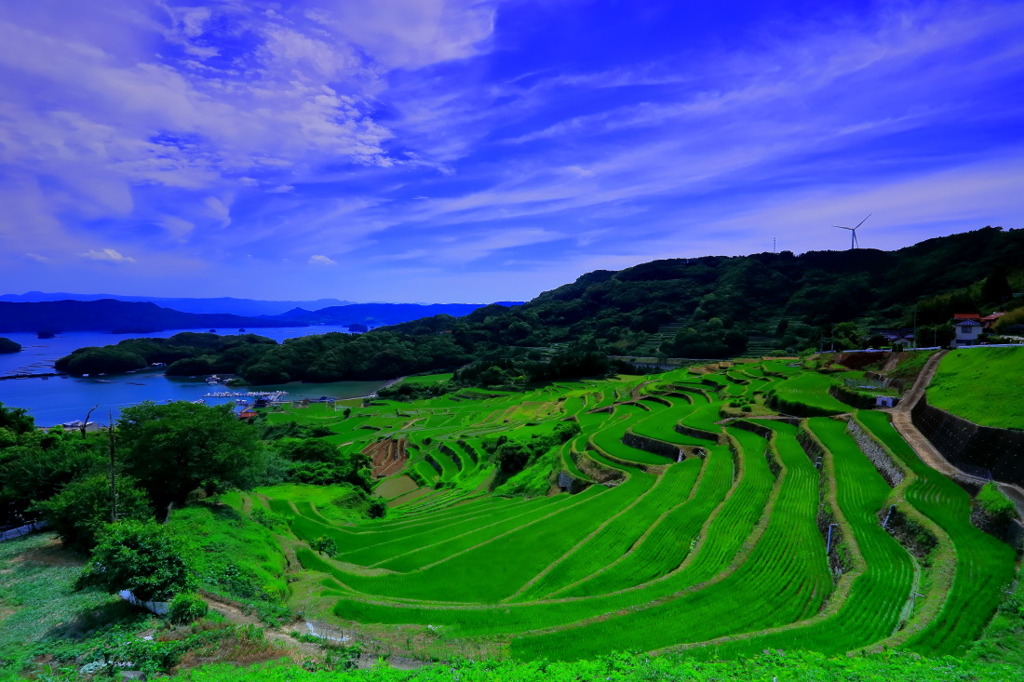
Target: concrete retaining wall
x=969, y=446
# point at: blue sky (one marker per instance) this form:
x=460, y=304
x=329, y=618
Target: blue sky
x=440, y=151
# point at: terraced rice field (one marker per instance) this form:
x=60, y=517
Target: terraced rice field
x=660, y=526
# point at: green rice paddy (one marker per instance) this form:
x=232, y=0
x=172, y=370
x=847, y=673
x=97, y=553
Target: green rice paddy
x=685, y=531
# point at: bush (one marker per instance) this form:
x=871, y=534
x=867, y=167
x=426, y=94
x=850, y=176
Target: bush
x=187, y=607
x=324, y=545
x=992, y=510
x=145, y=558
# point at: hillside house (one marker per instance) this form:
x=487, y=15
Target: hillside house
x=988, y=320
x=966, y=332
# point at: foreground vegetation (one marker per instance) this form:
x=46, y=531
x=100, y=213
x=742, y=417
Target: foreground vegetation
x=707, y=514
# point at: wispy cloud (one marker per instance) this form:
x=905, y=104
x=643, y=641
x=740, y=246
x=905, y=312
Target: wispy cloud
x=445, y=138
x=109, y=255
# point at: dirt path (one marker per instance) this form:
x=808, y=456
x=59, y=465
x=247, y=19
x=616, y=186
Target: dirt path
x=903, y=423
x=929, y=454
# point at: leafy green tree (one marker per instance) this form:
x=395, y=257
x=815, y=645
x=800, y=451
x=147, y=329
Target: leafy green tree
x=83, y=507
x=40, y=465
x=512, y=457
x=16, y=419
x=324, y=545
x=319, y=462
x=174, y=449
x=310, y=450
x=144, y=557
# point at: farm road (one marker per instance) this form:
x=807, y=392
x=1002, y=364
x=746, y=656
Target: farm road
x=924, y=448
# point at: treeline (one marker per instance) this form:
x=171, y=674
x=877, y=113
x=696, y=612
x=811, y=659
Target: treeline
x=259, y=360
x=106, y=494
x=158, y=456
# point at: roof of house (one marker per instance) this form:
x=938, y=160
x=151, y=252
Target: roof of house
x=967, y=323
x=966, y=316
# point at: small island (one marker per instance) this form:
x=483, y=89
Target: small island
x=8, y=346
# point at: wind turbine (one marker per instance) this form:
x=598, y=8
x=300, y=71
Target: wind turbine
x=853, y=232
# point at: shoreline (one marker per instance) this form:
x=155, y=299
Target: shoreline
x=39, y=375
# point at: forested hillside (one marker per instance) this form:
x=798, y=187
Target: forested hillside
x=715, y=303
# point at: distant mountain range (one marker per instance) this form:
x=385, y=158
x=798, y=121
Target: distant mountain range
x=141, y=317
x=380, y=314
x=126, y=317
x=224, y=305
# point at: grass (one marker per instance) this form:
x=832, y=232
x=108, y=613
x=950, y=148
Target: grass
x=236, y=557
x=39, y=605
x=982, y=385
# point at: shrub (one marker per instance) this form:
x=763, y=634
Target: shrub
x=145, y=558
x=187, y=607
x=324, y=545
x=992, y=510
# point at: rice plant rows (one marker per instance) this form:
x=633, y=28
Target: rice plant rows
x=720, y=552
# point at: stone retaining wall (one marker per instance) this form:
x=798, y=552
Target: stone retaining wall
x=888, y=469
x=656, y=447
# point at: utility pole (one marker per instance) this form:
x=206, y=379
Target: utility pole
x=915, y=327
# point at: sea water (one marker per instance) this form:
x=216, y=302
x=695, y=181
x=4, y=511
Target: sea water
x=60, y=399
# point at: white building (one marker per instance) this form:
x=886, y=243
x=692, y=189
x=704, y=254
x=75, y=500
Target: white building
x=967, y=333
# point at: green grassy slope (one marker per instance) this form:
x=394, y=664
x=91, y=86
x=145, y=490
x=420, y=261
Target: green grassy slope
x=983, y=385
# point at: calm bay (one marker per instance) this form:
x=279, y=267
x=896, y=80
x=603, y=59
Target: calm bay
x=60, y=399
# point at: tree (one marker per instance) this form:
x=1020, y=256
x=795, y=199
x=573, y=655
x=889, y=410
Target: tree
x=84, y=507
x=145, y=558
x=996, y=287
x=16, y=419
x=174, y=449
x=40, y=465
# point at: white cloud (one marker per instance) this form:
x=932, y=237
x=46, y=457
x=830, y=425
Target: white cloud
x=219, y=210
x=177, y=228
x=37, y=258
x=414, y=33
x=109, y=255
x=320, y=259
